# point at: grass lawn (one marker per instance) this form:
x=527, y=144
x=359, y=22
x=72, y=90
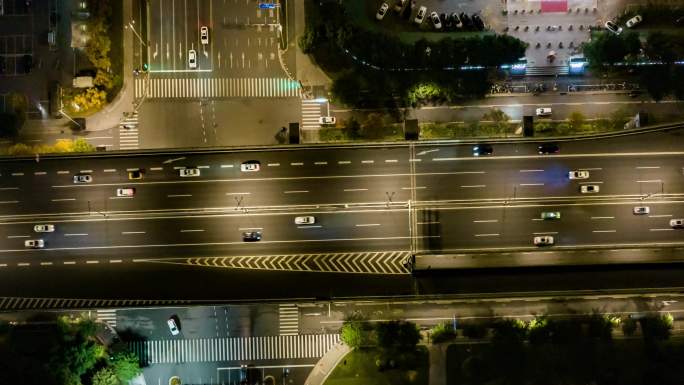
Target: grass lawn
x=358, y=368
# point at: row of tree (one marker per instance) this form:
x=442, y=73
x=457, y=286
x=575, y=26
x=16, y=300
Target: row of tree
x=60, y=146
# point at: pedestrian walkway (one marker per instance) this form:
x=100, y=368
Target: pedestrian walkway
x=327, y=364
x=107, y=316
x=161, y=88
x=311, y=113
x=128, y=132
x=233, y=349
x=288, y=318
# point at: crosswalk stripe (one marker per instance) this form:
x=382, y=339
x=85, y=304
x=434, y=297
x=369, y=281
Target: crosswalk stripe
x=218, y=88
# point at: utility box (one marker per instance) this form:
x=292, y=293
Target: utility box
x=528, y=125
x=83, y=82
x=411, y=129
x=294, y=133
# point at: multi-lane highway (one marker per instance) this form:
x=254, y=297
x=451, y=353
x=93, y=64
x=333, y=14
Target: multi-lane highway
x=369, y=202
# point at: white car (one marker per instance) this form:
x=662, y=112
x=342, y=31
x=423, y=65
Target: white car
x=420, y=16
x=435, y=20
x=44, y=228
x=589, y=188
x=34, y=243
x=677, y=223
x=544, y=111
x=250, y=166
x=192, y=58
x=83, y=178
x=327, y=120
x=382, y=11
x=613, y=28
x=204, y=35
x=308, y=220
x=641, y=210
x=544, y=240
x=579, y=174
x=171, y=322
x=189, y=172
x=633, y=21
x=125, y=192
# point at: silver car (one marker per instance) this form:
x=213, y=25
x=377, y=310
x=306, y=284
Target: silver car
x=83, y=178
x=580, y=174
x=44, y=228
x=34, y=243
x=306, y=220
x=543, y=240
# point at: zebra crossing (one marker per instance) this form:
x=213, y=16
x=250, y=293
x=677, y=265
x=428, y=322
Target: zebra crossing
x=311, y=113
x=288, y=317
x=128, y=132
x=174, y=351
x=157, y=88
x=107, y=316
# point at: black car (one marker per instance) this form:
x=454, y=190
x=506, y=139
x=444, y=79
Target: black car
x=548, y=148
x=482, y=149
x=477, y=22
x=251, y=236
x=467, y=23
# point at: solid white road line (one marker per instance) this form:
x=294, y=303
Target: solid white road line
x=296, y=192
x=487, y=235
x=192, y=230
x=355, y=189
x=486, y=221
x=132, y=232
x=604, y=231
x=367, y=224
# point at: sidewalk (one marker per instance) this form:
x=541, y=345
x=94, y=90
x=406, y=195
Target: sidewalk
x=438, y=369
x=307, y=71
x=327, y=364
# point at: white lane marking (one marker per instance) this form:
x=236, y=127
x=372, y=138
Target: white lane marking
x=647, y=167
x=69, y=262
x=192, y=230
x=344, y=162
x=203, y=166
x=8, y=202
x=86, y=171
x=132, y=232
x=111, y=170
x=367, y=224
x=121, y=197
x=367, y=161
x=487, y=235
x=545, y=233
x=596, y=182
x=62, y=172
x=415, y=160
x=604, y=231
x=414, y=188
x=537, y=219
x=130, y=169
x=391, y=161
x=63, y=199
x=173, y=160
x=39, y=173
x=178, y=195
x=474, y=186
x=668, y=229
x=602, y=217
x=649, y=181
x=92, y=262
x=591, y=168
x=156, y=168
x=22, y=264
x=227, y=165
x=17, y=174
x=296, y=191
x=296, y=164
x=3, y=265
x=76, y=235
x=531, y=170
x=238, y=193
x=114, y=261
x=355, y=189
x=320, y=163
x=428, y=223
x=427, y=151
x=660, y=216
x=18, y=236
x=8, y=188
x=250, y=228
x=309, y=227
x=46, y=263
x=531, y=184
x=485, y=221
x=273, y=164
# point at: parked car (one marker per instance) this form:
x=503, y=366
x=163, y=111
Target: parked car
x=633, y=21
x=434, y=17
x=204, y=35
x=34, y=243
x=251, y=236
x=477, y=22
x=543, y=240
x=173, y=326
x=327, y=120
x=125, y=192
x=44, y=228
x=82, y=178
x=27, y=63
x=589, y=188
x=641, y=210
x=543, y=111
x=382, y=11
x=548, y=148
x=192, y=58
x=420, y=16
x=550, y=215
x=250, y=166
x=580, y=174
x=482, y=149
x=306, y=220
x=189, y=172
x=456, y=21
x=677, y=223
x=613, y=28
x=467, y=23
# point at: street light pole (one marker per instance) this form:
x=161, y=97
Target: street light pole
x=130, y=24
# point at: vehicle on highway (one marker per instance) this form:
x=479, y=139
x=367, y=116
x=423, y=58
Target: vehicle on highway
x=34, y=243
x=192, y=58
x=306, y=220
x=548, y=148
x=382, y=11
x=482, y=149
x=589, y=188
x=547, y=215
x=125, y=192
x=578, y=174
x=189, y=172
x=613, y=28
x=327, y=120
x=204, y=35
x=83, y=178
x=136, y=174
x=641, y=210
x=677, y=223
x=44, y=228
x=420, y=16
x=633, y=21
x=399, y=5
x=173, y=326
x=435, y=20
x=543, y=111
x=543, y=240
x=250, y=166
x=251, y=236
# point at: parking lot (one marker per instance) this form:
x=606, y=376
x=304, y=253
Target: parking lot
x=13, y=52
